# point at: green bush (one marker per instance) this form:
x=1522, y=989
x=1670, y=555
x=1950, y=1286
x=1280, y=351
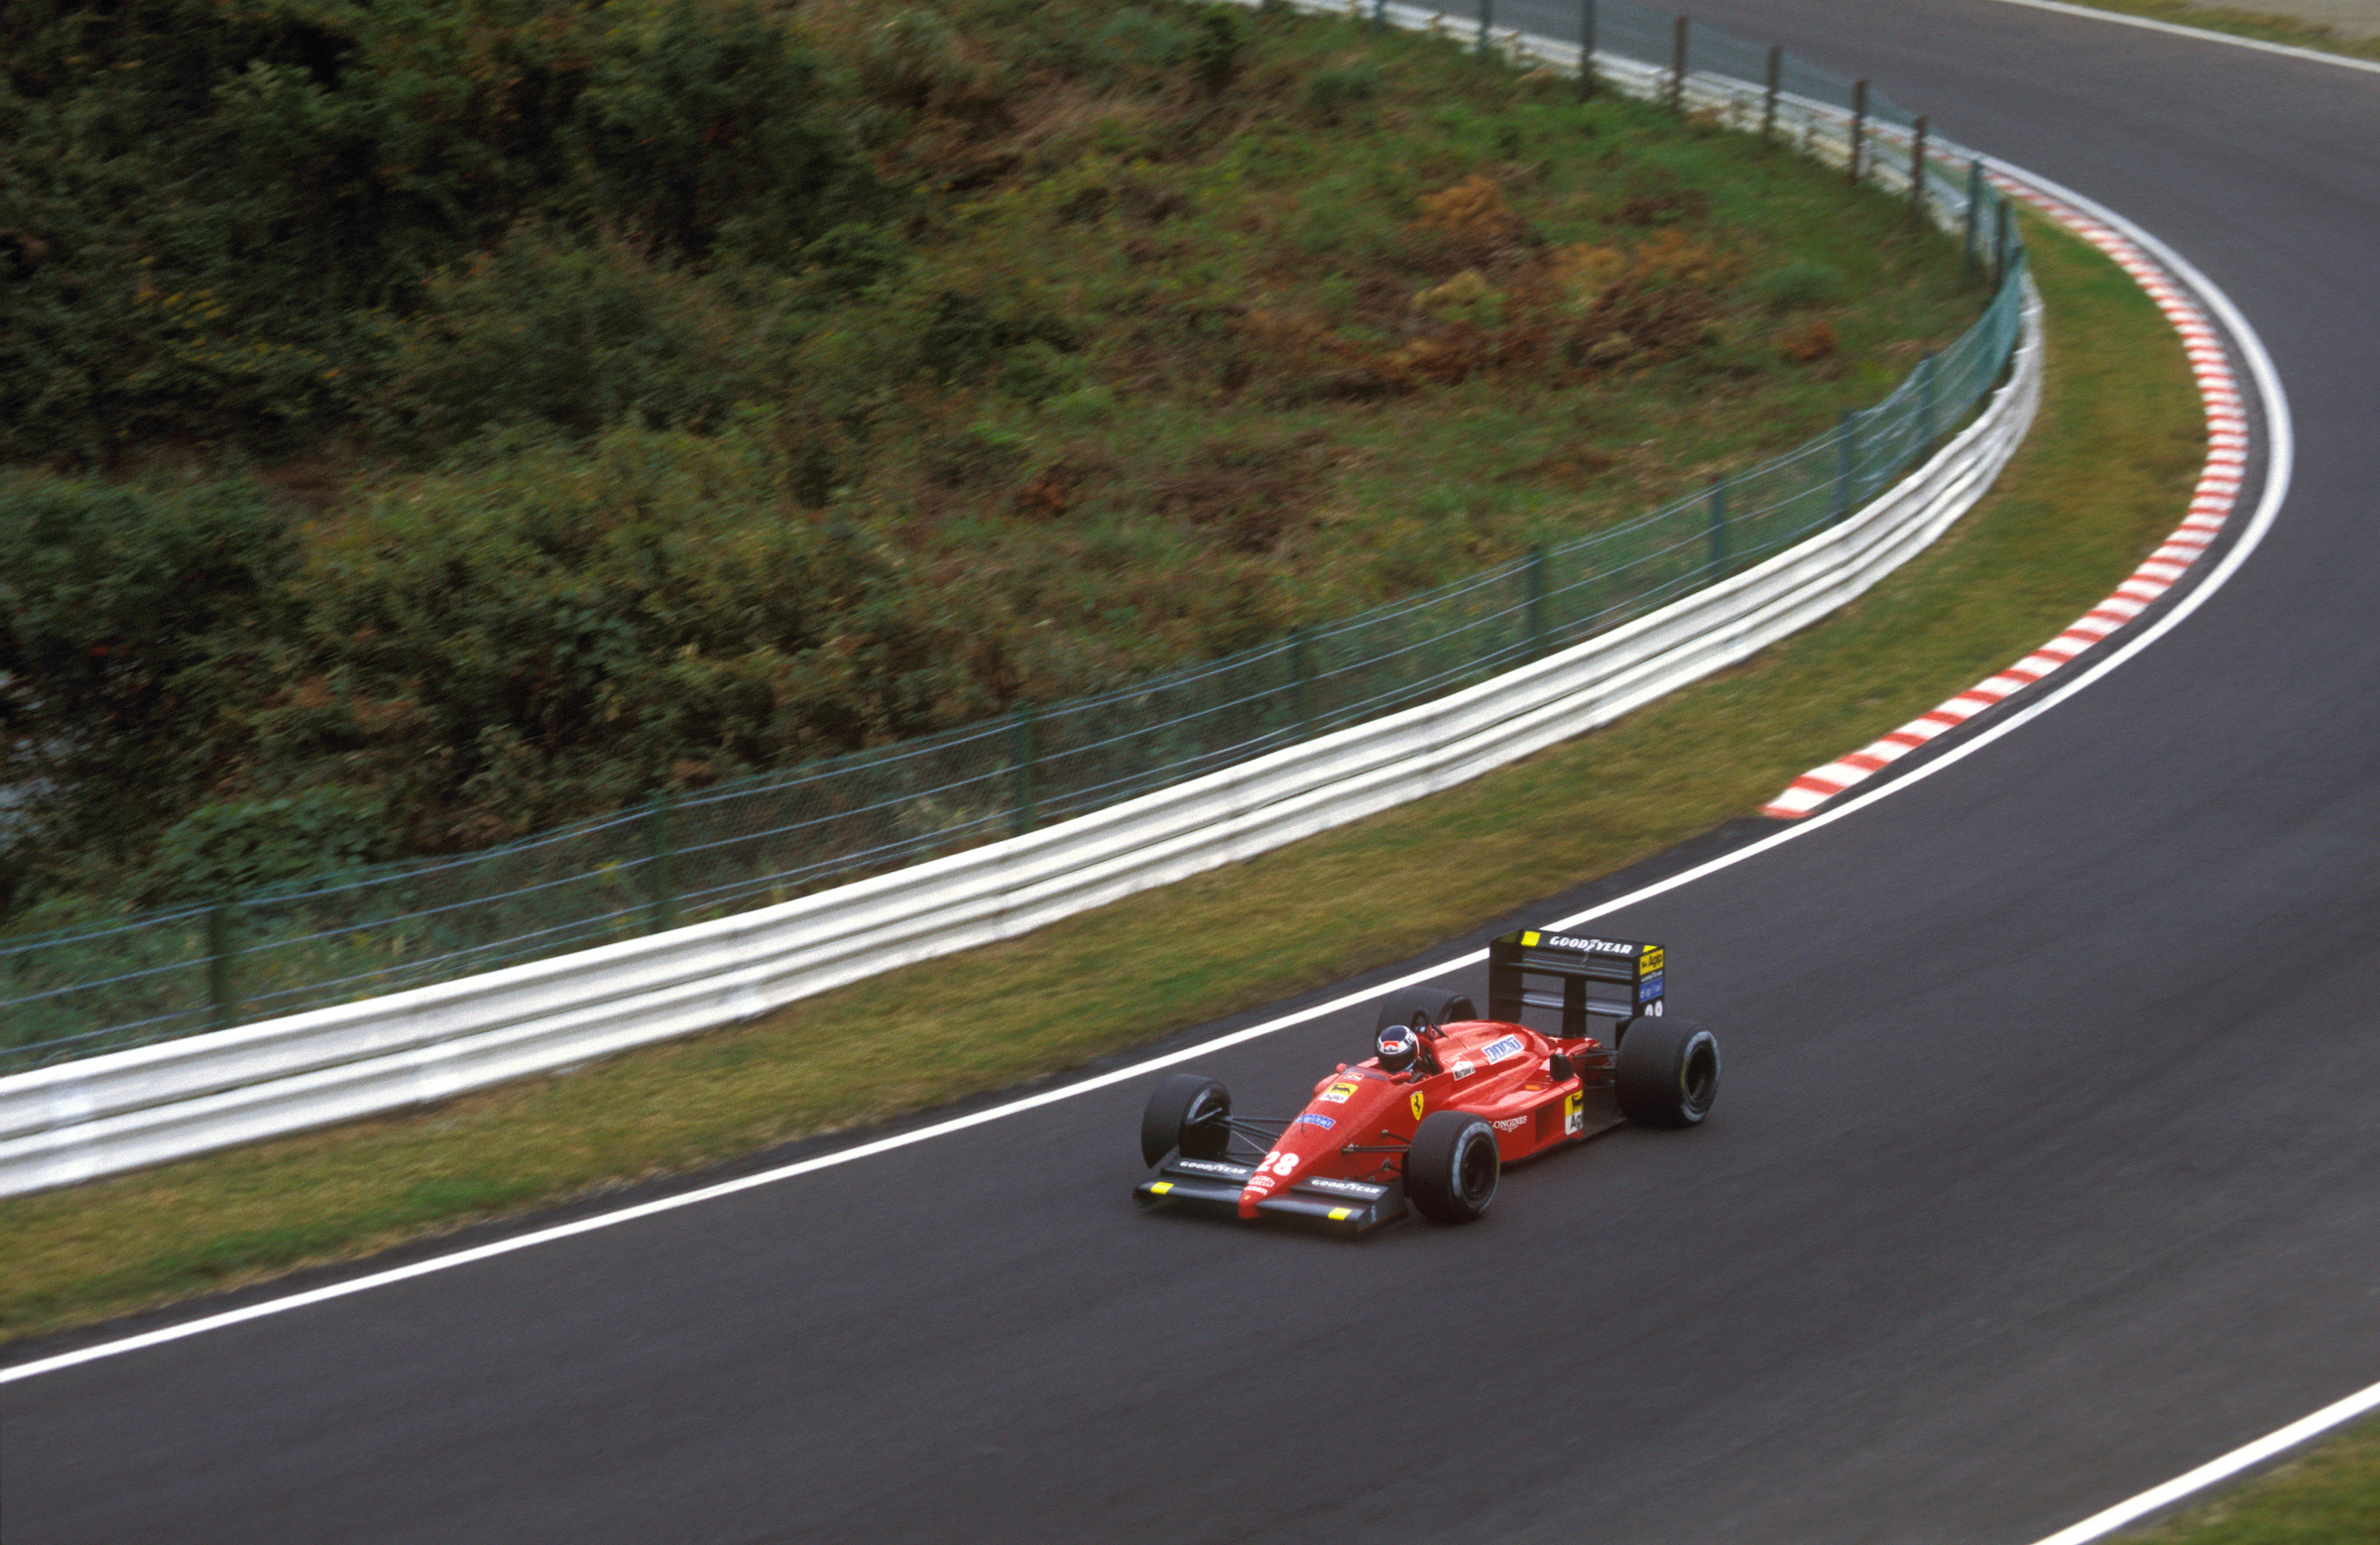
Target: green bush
x=230, y=848
x=579, y=334
x=129, y=619
x=556, y=632
x=204, y=208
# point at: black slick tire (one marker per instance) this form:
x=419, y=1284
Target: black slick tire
x=1452, y=1168
x=1667, y=1072
x=1186, y=1111
x=1424, y=1002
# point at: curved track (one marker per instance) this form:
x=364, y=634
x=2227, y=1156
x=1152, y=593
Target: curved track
x=2046, y=1169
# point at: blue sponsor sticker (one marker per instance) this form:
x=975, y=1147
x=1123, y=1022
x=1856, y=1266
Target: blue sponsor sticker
x=1496, y=1051
x=1649, y=989
x=1323, y=1121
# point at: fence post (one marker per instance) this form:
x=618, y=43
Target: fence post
x=1025, y=753
x=1586, y=49
x=1917, y=172
x=223, y=963
x=1301, y=681
x=1925, y=403
x=1486, y=20
x=1974, y=208
x=1999, y=241
x=1843, y=465
x=1677, y=70
x=1534, y=578
x=1719, y=529
x=659, y=867
x=1379, y=10
x=1858, y=126
x=1768, y=99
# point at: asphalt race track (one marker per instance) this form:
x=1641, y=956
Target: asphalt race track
x=2047, y=1167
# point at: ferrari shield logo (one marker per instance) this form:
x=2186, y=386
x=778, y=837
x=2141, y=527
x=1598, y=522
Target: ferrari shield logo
x=1417, y=1104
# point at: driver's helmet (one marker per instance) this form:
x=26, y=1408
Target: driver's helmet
x=1399, y=1045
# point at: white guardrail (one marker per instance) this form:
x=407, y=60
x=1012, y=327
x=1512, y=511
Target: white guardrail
x=126, y=1110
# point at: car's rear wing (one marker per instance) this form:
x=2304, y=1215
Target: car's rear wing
x=1592, y=974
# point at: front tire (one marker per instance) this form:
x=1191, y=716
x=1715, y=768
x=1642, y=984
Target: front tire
x=1187, y=1111
x=1667, y=1072
x=1452, y=1168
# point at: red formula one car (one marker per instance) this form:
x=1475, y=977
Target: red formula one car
x=1448, y=1098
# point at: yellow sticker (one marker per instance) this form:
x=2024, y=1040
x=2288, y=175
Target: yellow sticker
x=1161, y=1187
x=1653, y=959
x=1341, y=1213
x=1528, y=941
x=1417, y=1104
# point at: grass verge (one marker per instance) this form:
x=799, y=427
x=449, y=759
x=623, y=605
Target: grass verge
x=2105, y=474
x=2264, y=26
x=2328, y=1496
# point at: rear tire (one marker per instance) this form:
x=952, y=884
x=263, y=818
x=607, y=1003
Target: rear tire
x=1187, y=1111
x=1667, y=1072
x=1431, y=1003
x=1452, y=1168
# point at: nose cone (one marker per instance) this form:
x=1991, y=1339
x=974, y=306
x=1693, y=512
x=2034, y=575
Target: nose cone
x=1309, y=1141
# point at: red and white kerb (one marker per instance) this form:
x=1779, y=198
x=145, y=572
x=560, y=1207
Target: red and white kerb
x=2218, y=491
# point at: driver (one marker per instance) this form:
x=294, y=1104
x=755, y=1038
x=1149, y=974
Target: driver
x=1399, y=1044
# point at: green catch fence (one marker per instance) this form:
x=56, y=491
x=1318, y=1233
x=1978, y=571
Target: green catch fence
x=688, y=858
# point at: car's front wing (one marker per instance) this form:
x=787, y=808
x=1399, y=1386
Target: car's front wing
x=1212, y=1187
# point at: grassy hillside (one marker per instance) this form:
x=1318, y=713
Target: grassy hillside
x=436, y=420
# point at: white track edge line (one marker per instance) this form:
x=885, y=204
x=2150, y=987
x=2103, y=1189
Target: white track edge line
x=2247, y=1457
x=2205, y=34
x=2276, y=482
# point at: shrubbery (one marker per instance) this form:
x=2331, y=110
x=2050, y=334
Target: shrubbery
x=466, y=416
x=209, y=209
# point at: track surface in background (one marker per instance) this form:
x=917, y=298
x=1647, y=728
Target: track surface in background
x=2045, y=1170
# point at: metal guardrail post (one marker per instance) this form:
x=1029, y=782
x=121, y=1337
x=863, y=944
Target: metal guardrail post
x=1586, y=49
x=1768, y=98
x=1858, y=126
x=661, y=878
x=1487, y=21
x=1717, y=503
x=1379, y=13
x=1843, y=465
x=1024, y=756
x=1677, y=67
x=1917, y=172
x=223, y=964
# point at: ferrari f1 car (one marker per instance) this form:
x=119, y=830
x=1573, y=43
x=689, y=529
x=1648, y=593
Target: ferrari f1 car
x=1448, y=1098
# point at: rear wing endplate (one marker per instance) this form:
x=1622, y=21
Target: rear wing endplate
x=1575, y=972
